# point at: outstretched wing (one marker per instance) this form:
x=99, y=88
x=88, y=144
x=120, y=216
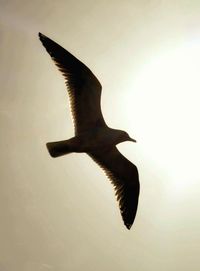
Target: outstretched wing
x=124, y=176
x=83, y=87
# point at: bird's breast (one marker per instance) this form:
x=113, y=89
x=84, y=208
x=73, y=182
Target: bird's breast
x=97, y=139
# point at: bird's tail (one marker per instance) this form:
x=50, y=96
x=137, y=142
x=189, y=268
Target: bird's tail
x=58, y=148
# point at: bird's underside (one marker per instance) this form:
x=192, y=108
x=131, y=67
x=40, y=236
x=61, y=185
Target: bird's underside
x=84, y=91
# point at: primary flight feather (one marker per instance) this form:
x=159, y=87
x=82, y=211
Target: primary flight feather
x=92, y=135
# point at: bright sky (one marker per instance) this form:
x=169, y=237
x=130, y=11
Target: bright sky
x=61, y=214
x=169, y=89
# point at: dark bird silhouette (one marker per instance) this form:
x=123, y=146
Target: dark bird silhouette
x=92, y=135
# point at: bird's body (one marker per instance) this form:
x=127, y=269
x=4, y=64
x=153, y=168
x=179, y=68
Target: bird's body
x=99, y=138
x=92, y=135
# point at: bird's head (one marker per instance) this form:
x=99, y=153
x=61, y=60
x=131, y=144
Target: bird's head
x=124, y=136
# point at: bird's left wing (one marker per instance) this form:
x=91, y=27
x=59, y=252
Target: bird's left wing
x=84, y=88
x=124, y=176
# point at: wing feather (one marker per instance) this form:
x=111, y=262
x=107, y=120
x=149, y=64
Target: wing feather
x=124, y=176
x=83, y=87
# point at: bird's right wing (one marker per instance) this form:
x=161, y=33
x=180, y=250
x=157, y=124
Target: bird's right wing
x=83, y=87
x=124, y=176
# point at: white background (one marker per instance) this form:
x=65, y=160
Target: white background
x=61, y=214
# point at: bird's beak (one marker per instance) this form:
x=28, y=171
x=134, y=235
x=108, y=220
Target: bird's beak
x=131, y=139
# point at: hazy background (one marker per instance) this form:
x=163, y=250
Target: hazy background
x=61, y=214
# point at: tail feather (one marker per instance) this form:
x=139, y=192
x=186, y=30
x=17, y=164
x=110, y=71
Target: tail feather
x=59, y=148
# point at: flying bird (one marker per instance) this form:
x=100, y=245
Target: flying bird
x=92, y=135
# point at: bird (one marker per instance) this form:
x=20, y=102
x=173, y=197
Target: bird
x=92, y=135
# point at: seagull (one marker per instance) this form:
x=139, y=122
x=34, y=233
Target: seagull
x=92, y=135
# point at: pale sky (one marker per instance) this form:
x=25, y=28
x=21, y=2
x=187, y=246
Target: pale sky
x=61, y=214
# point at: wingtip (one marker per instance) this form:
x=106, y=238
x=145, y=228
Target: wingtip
x=128, y=226
x=41, y=36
